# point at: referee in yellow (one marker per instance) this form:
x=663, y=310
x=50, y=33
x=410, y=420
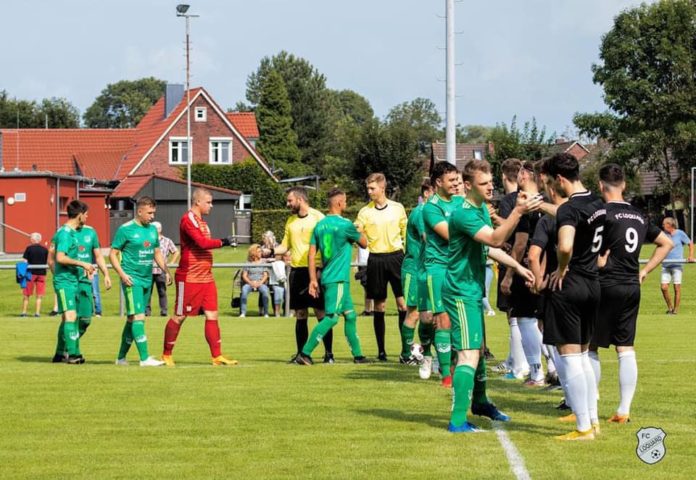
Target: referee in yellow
x=383, y=222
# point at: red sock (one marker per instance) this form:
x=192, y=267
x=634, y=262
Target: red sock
x=212, y=335
x=171, y=331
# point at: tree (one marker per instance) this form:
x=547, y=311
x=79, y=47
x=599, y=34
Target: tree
x=354, y=106
x=123, y=104
x=471, y=133
x=51, y=113
x=278, y=141
x=648, y=73
x=421, y=116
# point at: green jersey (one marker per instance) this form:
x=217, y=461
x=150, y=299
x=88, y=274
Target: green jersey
x=437, y=210
x=137, y=244
x=413, y=260
x=87, y=241
x=334, y=237
x=65, y=276
x=467, y=257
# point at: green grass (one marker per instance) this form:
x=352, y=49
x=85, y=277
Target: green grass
x=267, y=419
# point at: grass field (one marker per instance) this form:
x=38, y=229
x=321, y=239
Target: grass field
x=268, y=419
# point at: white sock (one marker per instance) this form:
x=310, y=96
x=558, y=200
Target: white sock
x=591, y=388
x=628, y=378
x=529, y=332
x=596, y=367
x=575, y=386
x=518, y=362
x=546, y=352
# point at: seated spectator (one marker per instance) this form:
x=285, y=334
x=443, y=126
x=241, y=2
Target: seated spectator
x=277, y=281
x=254, y=279
x=268, y=245
x=35, y=254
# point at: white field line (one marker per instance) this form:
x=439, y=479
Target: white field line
x=513, y=455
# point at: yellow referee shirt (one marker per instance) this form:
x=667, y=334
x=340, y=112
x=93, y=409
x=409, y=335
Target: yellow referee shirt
x=298, y=232
x=385, y=228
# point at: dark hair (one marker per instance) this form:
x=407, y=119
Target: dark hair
x=563, y=164
x=145, y=202
x=335, y=192
x=76, y=207
x=426, y=185
x=510, y=168
x=473, y=166
x=440, y=169
x=611, y=174
x=300, y=192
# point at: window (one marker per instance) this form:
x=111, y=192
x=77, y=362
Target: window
x=478, y=155
x=201, y=114
x=178, y=151
x=220, y=151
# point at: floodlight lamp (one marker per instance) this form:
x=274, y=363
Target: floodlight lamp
x=181, y=9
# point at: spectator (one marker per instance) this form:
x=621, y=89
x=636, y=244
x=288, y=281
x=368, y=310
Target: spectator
x=35, y=254
x=268, y=246
x=486, y=302
x=168, y=248
x=672, y=272
x=277, y=281
x=254, y=280
x=96, y=294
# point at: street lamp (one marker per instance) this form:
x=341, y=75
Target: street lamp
x=181, y=10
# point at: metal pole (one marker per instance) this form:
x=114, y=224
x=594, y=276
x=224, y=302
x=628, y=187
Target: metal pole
x=691, y=204
x=189, y=147
x=450, y=125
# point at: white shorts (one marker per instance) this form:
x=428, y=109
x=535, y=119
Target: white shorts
x=671, y=275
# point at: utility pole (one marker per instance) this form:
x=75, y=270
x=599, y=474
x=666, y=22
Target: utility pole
x=450, y=126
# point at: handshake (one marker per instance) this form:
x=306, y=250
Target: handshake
x=230, y=241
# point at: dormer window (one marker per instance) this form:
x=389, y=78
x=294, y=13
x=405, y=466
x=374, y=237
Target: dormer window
x=201, y=114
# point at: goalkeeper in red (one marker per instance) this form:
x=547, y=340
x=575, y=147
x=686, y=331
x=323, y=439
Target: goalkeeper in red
x=196, y=292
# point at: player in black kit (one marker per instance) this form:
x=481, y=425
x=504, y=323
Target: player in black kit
x=625, y=230
x=575, y=289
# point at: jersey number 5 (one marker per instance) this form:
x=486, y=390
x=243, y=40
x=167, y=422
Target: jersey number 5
x=597, y=239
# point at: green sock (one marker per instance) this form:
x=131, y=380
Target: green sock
x=83, y=324
x=407, y=334
x=462, y=384
x=126, y=341
x=138, y=328
x=60, y=344
x=71, y=335
x=425, y=334
x=322, y=328
x=351, y=331
x=480, y=379
x=443, y=347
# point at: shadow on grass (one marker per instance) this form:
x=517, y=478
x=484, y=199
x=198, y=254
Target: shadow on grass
x=432, y=420
x=392, y=372
x=47, y=359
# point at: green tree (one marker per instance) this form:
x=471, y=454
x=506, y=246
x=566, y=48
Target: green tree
x=51, y=112
x=471, y=133
x=421, y=116
x=648, y=73
x=278, y=141
x=123, y=104
x=354, y=106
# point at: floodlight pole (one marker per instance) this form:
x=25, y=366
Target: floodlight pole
x=181, y=12
x=691, y=203
x=450, y=125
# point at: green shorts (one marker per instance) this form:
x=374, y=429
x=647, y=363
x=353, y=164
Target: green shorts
x=337, y=299
x=85, y=300
x=435, y=281
x=67, y=299
x=409, y=285
x=136, y=298
x=466, y=315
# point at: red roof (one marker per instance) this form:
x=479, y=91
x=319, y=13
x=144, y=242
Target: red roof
x=130, y=187
x=245, y=123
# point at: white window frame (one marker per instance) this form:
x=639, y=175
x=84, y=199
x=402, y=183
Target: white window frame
x=480, y=154
x=210, y=149
x=178, y=139
x=203, y=111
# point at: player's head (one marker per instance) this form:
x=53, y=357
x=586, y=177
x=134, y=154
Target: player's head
x=426, y=189
x=202, y=200
x=376, y=184
x=254, y=252
x=78, y=210
x=296, y=198
x=669, y=224
x=526, y=176
x=478, y=180
x=562, y=169
x=445, y=178
x=510, y=168
x=336, y=200
x=145, y=210
x=611, y=180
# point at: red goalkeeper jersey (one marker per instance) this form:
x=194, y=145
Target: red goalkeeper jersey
x=196, y=261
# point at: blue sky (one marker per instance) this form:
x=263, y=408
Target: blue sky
x=531, y=58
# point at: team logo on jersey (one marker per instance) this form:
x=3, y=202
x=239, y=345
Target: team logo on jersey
x=81, y=248
x=651, y=445
x=146, y=243
x=87, y=239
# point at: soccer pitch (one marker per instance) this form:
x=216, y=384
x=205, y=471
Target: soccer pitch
x=267, y=419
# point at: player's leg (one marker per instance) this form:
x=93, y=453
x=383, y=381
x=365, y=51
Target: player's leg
x=393, y=272
x=443, y=339
x=173, y=326
x=67, y=304
x=624, y=338
x=408, y=328
x=350, y=327
x=333, y=300
x=127, y=333
x=465, y=371
x=317, y=305
x=531, y=344
x=85, y=307
x=377, y=290
x=136, y=296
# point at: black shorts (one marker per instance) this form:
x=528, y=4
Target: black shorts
x=618, y=313
x=543, y=306
x=300, y=298
x=383, y=269
x=573, y=311
x=502, y=301
x=523, y=303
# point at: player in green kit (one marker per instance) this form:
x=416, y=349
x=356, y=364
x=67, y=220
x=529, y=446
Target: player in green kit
x=333, y=236
x=67, y=269
x=137, y=242
x=436, y=215
x=471, y=240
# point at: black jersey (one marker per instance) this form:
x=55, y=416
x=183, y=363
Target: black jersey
x=507, y=204
x=545, y=238
x=584, y=211
x=528, y=224
x=626, y=228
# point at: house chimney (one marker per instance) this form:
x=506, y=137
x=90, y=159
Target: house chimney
x=173, y=95
x=491, y=148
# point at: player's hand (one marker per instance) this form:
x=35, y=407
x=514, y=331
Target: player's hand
x=359, y=227
x=602, y=259
x=168, y=278
x=505, y=285
x=642, y=275
x=88, y=268
x=314, y=288
x=527, y=204
x=127, y=280
x=557, y=279
x=107, y=281
x=526, y=274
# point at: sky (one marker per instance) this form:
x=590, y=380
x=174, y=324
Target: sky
x=529, y=58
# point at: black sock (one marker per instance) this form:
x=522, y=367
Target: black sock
x=301, y=333
x=402, y=319
x=328, y=340
x=378, y=323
